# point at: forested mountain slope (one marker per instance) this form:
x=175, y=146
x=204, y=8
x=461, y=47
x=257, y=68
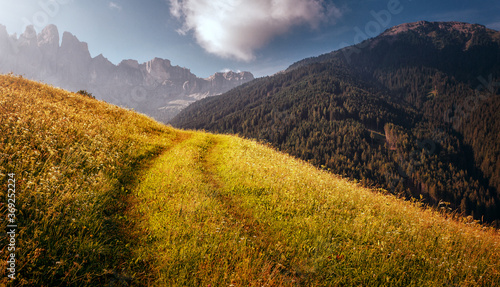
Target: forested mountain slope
x=414, y=110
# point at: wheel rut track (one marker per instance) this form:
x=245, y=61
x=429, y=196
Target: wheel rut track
x=264, y=238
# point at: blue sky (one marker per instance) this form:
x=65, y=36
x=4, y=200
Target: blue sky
x=207, y=36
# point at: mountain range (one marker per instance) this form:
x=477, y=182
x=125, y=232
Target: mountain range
x=413, y=111
x=155, y=88
x=99, y=195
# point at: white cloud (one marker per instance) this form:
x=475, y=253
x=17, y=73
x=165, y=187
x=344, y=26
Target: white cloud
x=236, y=28
x=114, y=6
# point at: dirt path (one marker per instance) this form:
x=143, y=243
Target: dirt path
x=192, y=229
x=265, y=240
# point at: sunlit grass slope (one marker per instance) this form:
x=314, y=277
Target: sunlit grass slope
x=109, y=196
x=74, y=159
x=222, y=210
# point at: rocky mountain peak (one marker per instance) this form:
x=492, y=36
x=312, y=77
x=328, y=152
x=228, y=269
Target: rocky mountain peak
x=158, y=63
x=3, y=32
x=242, y=76
x=228, y=80
x=159, y=68
x=49, y=37
x=425, y=28
x=435, y=40
x=70, y=44
x=129, y=63
x=29, y=33
x=4, y=40
x=156, y=88
x=442, y=34
x=29, y=37
x=102, y=61
x=230, y=76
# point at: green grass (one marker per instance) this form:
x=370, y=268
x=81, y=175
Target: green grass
x=108, y=196
x=223, y=210
x=75, y=159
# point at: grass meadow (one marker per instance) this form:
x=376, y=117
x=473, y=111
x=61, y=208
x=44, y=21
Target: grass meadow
x=106, y=196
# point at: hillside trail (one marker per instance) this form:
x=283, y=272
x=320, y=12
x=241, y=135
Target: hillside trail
x=183, y=190
x=215, y=210
x=251, y=227
x=127, y=227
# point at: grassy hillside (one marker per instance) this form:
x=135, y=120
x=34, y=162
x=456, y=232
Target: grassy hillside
x=105, y=195
x=74, y=159
x=432, y=92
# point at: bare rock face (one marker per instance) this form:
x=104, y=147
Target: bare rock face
x=7, y=60
x=48, y=44
x=73, y=62
x=100, y=70
x=4, y=41
x=159, y=68
x=229, y=80
x=29, y=55
x=155, y=88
